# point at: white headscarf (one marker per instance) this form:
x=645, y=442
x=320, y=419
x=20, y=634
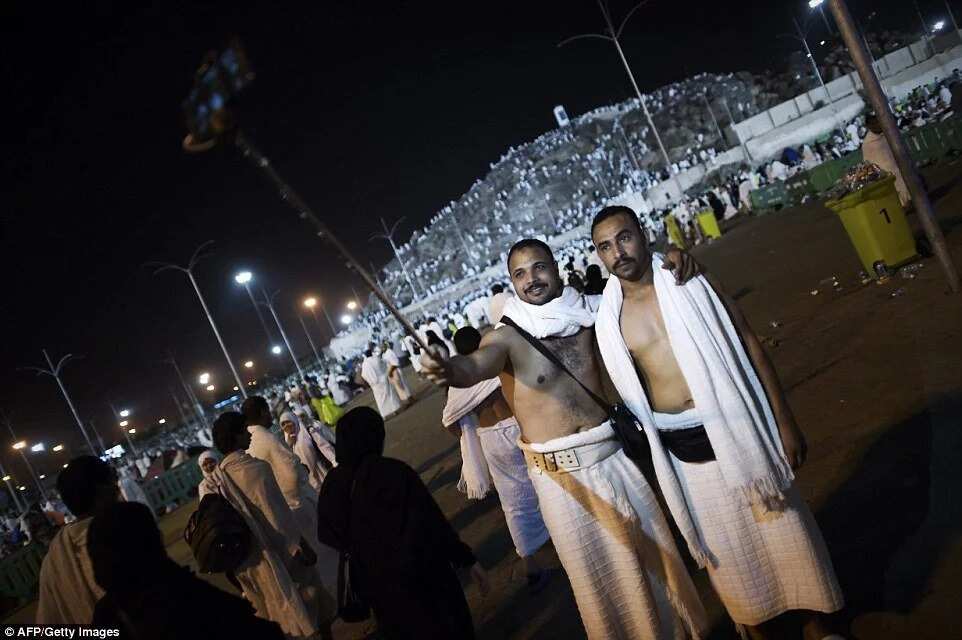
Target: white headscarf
x=207, y=484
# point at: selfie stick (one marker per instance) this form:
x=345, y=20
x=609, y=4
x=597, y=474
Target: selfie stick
x=288, y=195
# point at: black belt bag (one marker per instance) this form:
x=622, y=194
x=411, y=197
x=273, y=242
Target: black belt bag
x=688, y=445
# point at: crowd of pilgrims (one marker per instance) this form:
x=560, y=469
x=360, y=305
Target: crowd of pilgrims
x=552, y=184
x=289, y=460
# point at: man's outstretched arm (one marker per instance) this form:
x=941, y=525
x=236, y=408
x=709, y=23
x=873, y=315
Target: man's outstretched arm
x=465, y=371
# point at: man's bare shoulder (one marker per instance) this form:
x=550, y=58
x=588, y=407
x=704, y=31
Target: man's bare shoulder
x=502, y=337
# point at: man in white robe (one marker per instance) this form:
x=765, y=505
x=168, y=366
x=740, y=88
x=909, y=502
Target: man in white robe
x=338, y=394
x=292, y=477
x=131, y=490
x=68, y=591
x=481, y=412
x=475, y=312
x=279, y=578
x=875, y=149
x=395, y=374
x=612, y=539
x=374, y=374
x=723, y=439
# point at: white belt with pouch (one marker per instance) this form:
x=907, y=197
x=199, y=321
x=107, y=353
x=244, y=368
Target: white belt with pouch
x=571, y=459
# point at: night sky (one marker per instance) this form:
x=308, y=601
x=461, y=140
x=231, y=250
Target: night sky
x=367, y=111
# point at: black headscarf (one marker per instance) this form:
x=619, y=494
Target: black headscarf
x=360, y=433
x=125, y=546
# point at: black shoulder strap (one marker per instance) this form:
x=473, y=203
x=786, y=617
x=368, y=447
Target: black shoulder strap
x=552, y=358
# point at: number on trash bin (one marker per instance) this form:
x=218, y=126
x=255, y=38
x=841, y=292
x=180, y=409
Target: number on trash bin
x=885, y=213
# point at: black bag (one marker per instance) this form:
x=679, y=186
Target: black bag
x=218, y=536
x=352, y=606
x=628, y=429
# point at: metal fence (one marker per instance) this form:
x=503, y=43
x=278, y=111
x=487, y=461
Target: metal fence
x=926, y=144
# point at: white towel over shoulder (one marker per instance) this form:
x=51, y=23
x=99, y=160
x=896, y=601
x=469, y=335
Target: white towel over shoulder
x=725, y=388
x=564, y=316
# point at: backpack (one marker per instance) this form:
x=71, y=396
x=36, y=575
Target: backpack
x=217, y=535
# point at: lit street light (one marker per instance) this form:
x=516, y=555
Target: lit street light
x=125, y=413
x=123, y=426
x=189, y=270
x=42, y=476
x=19, y=447
x=346, y=319
x=311, y=304
x=244, y=278
x=38, y=448
x=938, y=26
x=162, y=421
x=210, y=387
x=204, y=378
x=249, y=364
x=352, y=305
x=277, y=350
x=58, y=448
x=131, y=431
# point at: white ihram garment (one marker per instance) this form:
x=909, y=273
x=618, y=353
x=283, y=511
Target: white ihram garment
x=400, y=385
x=280, y=588
x=374, y=372
x=519, y=501
x=613, y=541
x=291, y=476
x=338, y=394
x=491, y=455
x=741, y=515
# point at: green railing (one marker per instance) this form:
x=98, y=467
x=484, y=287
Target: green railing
x=926, y=144
x=175, y=486
x=20, y=572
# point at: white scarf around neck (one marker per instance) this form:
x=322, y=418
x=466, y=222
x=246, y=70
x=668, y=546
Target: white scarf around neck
x=564, y=316
x=724, y=386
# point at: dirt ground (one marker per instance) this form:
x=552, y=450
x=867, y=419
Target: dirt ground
x=873, y=374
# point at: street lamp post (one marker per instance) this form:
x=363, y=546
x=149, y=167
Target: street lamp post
x=19, y=446
x=191, y=396
x=269, y=303
x=54, y=372
x=309, y=339
x=189, y=270
x=123, y=426
x=612, y=36
x=100, y=441
x=389, y=236
x=244, y=278
x=311, y=304
x=13, y=494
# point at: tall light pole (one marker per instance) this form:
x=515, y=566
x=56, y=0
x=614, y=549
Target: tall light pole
x=191, y=396
x=19, y=446
x=244, y=278
x=612, y=36
x=7, y=479
x=741, y=142
x=269, y=303
x=389, y=236
x=123, y=424
x=309, y=339
x=876, y=98
x=103, y=449
x=54, y=372
x=948, y=8
x=311, y=304
x=713, y=118
x=820, y=5
x=801, y=37
x=189, y=270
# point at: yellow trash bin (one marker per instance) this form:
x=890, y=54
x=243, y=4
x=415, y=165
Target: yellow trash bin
x=709, y=224
x=875, y=222
x=674, y=232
